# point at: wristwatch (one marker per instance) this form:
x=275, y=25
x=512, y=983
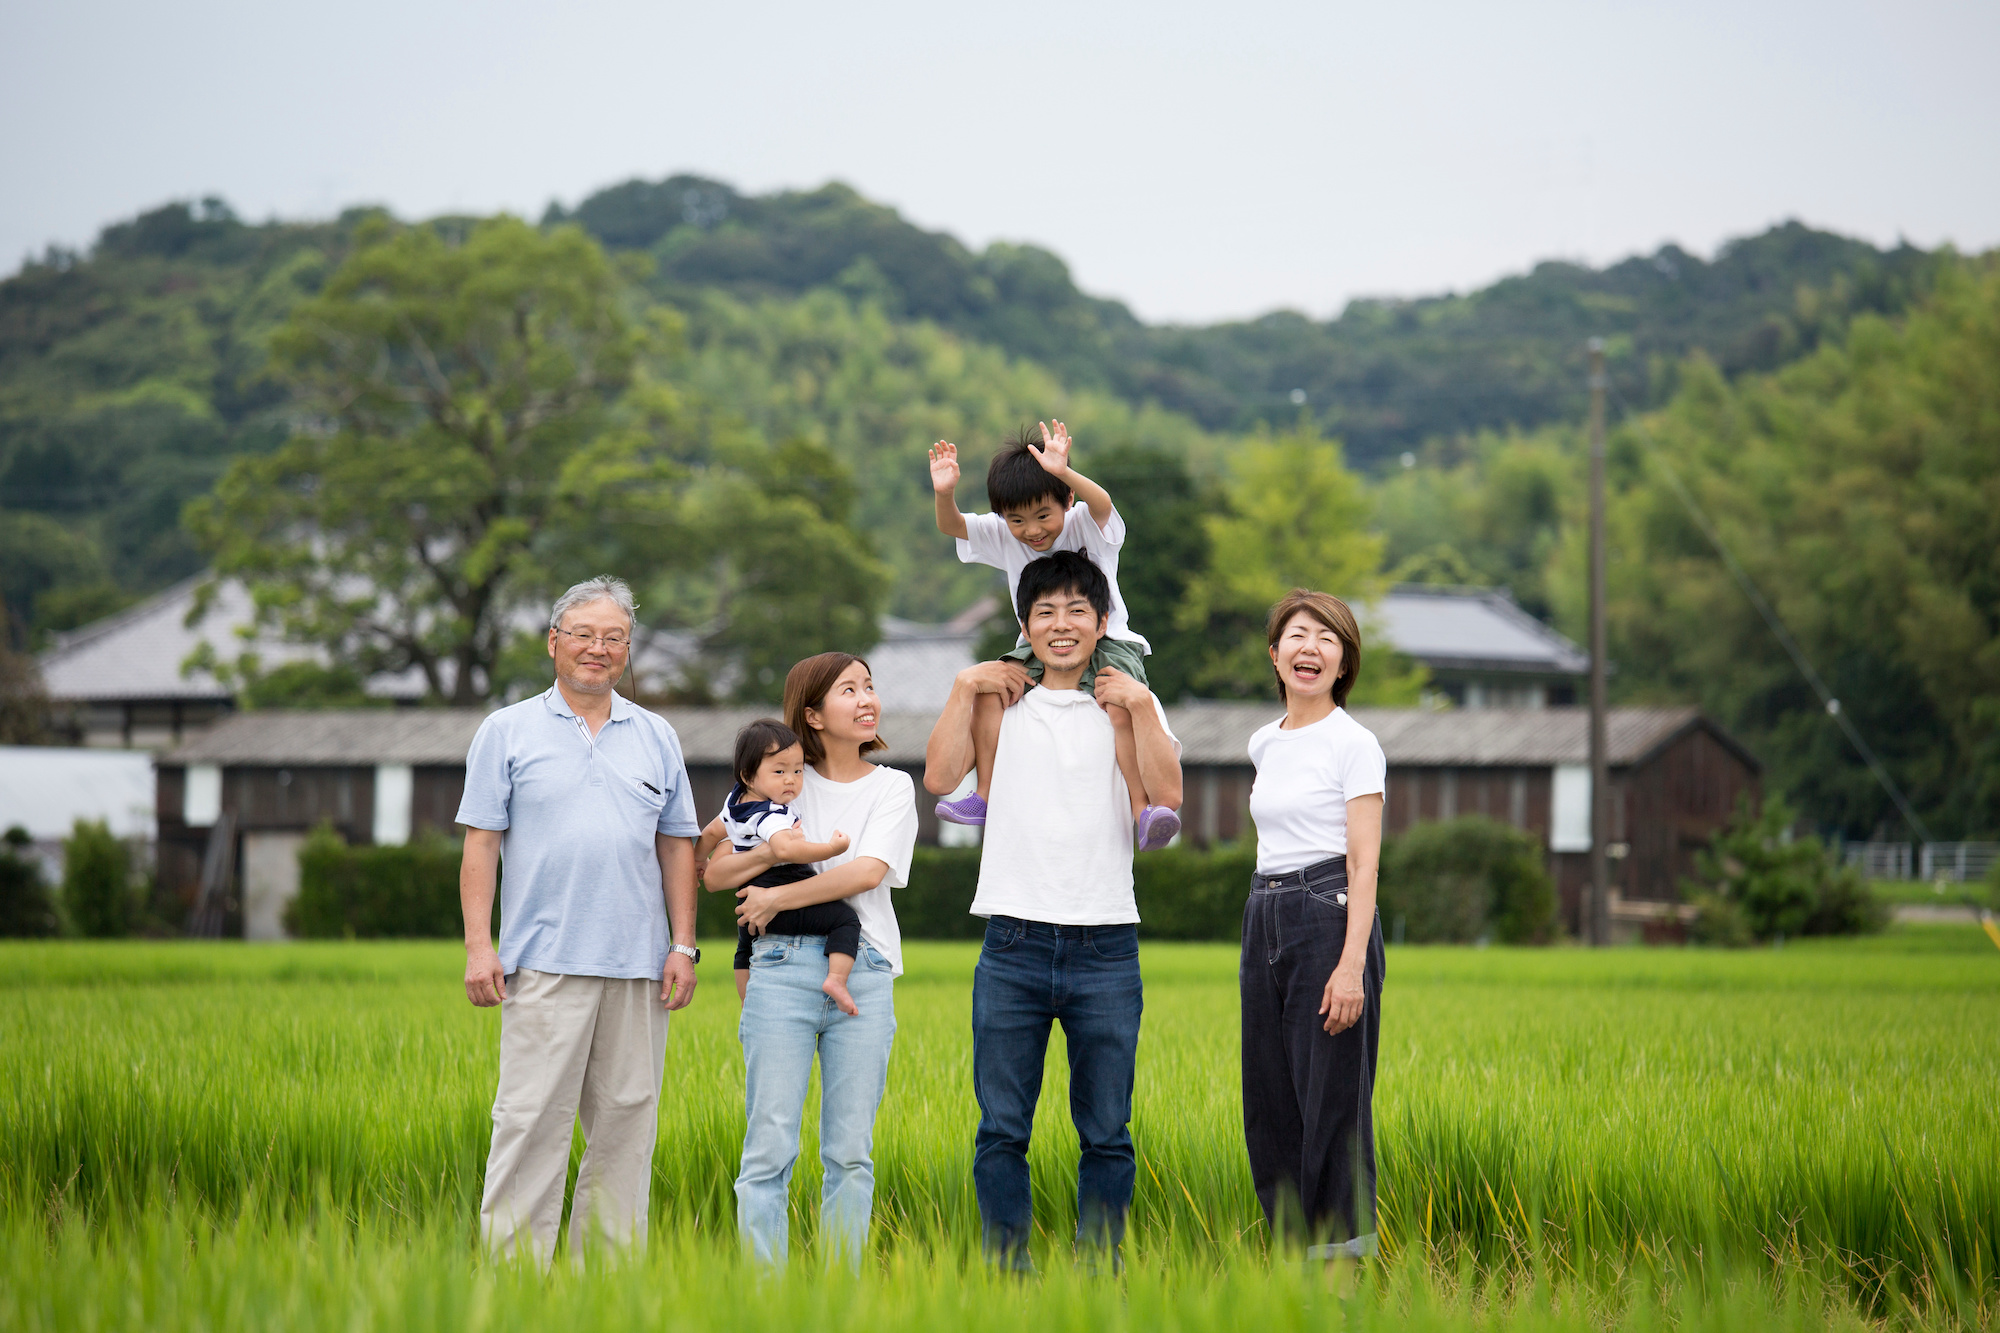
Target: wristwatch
x=693, y=951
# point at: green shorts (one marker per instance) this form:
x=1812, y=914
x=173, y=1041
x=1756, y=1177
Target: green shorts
x=1123, y=654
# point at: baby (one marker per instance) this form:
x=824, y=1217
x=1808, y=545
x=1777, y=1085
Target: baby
x=1033, y=492
x=770, y=769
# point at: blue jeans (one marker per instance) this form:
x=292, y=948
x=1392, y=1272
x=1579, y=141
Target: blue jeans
x=786, y=1018
x=1087, y=978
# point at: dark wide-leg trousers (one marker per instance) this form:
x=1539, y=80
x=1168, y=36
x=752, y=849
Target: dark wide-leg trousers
x=1308, y=1113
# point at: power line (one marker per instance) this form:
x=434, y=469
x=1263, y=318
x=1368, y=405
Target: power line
x=1772, y=620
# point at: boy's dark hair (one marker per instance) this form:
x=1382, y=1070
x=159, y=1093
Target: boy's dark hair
x=765, y=736
x=1063, y=571
x=1015, y=480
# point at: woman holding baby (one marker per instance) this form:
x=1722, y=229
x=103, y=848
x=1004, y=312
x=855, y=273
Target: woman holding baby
x=830, y=705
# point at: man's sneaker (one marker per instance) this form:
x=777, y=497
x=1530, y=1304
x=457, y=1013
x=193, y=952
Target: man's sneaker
x=1157, y=827
x=967, y=809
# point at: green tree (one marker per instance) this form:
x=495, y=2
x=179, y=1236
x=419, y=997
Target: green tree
x=459, y=385
x=97, y=887
x=1294, y=517
x=1489, y=510
x=1860, y=490
x=1166, y=547
x=774, y=572
x=1753, y=879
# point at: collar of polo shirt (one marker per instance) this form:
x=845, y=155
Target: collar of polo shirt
x=621, y=707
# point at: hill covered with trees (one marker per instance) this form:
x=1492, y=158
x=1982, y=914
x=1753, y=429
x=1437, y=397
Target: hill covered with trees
x=1385, y=375
x=131, y=375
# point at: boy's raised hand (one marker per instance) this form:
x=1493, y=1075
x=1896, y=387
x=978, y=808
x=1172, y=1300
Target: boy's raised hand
x=944, y=467
x=1054, y=453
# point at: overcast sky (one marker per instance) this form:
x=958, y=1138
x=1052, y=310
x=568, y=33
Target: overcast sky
x=1198, y=161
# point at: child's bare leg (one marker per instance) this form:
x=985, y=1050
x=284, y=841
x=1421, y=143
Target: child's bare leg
x=742, y=983
x=838, y=966
x=1127, y=745
x=986, y=711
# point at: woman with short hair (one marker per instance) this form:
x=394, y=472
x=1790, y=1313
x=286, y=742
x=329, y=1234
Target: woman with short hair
x=787, y=1018
x=1312, y=963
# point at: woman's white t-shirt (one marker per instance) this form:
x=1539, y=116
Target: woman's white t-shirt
x=1305, y=778
x=878, y=813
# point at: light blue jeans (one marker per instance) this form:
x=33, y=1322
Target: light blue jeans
x=786, y=1018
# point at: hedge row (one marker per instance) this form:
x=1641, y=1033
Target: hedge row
x=1458, y=881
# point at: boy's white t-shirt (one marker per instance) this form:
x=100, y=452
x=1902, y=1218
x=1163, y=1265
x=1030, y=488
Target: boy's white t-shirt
x=879, y=814
x=1057, y=846
x=1305, y=778
x=988, y=541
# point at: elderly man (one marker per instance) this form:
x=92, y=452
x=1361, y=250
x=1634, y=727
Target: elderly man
x=1055, y=884
x=585, y=796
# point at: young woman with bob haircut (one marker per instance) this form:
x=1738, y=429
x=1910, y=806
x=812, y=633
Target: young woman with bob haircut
x=787, y=1019
x=1311, y=970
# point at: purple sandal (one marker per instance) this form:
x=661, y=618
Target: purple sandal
x=1157, y=827
x=967, y=809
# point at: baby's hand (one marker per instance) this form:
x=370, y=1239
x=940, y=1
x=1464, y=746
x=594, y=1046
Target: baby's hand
x=838, y=842
x=1054, y=453
x=944, y=467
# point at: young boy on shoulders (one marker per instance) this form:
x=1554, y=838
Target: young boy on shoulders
x=1033, y=493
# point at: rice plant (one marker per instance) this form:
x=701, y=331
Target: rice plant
x=1552, y=1121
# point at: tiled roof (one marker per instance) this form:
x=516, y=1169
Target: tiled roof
x=1474, y=629
x=137, y=653
x=1210, y=733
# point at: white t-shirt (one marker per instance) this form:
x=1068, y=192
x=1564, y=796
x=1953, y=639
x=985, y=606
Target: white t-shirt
x=1305, y=778
x=879, y=814
x=1058, y=840
x=989, y=542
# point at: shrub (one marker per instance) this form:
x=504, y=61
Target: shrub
x=1190, y=894
x=1718, y=921
x=1778, y=887
x=377, y=892
x=97, y=884
x=1183, y=893
x=369, y=892
x=1464, y=879
x=25, y=907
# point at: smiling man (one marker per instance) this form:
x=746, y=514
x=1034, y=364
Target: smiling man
x=585, y=795
x=1055, y=884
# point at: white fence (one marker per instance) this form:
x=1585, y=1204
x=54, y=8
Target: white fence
x=1958, y=862
x=1952, y=862
x=1882, y=860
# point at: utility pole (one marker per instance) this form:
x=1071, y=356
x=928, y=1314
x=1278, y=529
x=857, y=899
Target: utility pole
x=1599, y=906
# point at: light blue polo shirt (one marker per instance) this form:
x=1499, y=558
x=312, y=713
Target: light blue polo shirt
x=580, y=879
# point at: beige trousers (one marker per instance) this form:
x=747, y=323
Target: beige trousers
x=571, y=1047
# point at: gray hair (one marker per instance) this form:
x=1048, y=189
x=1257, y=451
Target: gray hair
x=603, y=588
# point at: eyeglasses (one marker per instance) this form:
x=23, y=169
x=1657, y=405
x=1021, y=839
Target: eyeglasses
x=583, y=640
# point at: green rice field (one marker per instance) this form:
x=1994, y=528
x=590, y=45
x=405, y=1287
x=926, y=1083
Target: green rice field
x=218, y=1136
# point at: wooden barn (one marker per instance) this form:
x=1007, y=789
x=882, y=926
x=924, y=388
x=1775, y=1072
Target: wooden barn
x=235, y=803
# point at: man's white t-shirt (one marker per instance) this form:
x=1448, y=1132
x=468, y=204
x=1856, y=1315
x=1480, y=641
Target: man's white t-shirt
x=879, y=814
x=1305, y=778
x=988, y=541
x=1058, y=840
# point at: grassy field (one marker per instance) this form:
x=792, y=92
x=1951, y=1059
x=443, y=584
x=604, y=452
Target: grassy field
x=221, y=1136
